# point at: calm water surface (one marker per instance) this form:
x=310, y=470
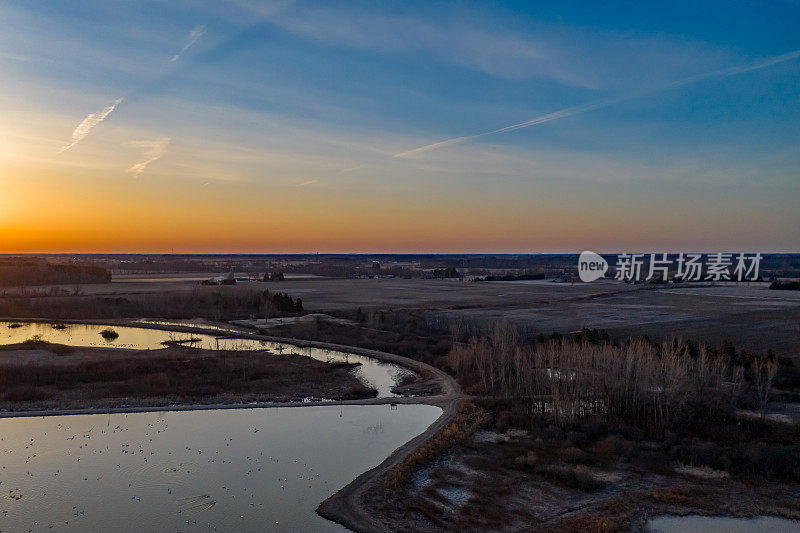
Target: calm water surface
x=381, y=376
x=227, y=470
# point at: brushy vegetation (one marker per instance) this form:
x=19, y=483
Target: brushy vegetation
x=591, y=475
x=109, y=334
x=395, y=482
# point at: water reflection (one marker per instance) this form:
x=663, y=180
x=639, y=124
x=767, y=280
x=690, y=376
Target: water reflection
x=226, y=470
x=381, y=376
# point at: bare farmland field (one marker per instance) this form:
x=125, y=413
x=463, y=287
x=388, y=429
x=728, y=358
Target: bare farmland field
x=752, y=317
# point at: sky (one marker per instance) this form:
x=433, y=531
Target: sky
x=239, y=126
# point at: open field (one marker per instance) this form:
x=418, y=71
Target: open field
x=740, y=314
x=344, y=294
x=753, y=318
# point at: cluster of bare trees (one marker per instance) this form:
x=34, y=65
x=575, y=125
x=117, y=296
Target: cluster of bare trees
x=639, y=383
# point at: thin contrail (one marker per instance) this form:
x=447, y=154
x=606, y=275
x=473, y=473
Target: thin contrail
x=194, y=35
x=597, y=104
x=86, y=125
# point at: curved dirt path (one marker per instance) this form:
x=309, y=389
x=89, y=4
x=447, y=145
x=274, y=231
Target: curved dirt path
x=345, y=508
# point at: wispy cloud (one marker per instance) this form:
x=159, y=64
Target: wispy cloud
x=194, y=36
x=153, y=150
x=307, y=183
x=499, y=44
x=598, y=104
x=86, y=125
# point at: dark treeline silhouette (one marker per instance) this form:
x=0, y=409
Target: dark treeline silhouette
x=218, y=302
x=25, y=272
x=785, y=285
x=445, y=273
x=283, y=302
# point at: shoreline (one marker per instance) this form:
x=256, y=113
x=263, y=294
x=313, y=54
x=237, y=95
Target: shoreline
x=436, y=401
x=344, y=506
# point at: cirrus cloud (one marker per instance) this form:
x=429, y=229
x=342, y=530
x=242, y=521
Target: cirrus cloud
x=153, y=150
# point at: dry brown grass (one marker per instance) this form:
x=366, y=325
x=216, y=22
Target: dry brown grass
x=171, y=375
x=389, y=496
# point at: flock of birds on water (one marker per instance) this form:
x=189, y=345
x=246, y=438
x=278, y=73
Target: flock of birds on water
x=158, y=470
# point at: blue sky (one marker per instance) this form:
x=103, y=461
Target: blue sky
x=318, y=109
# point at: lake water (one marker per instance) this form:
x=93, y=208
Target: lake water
x=373, y=373
x=721, y=524
x=263, y=469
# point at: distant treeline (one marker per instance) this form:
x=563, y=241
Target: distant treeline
x=358, y=265
x=512, y=277
x=40, y=272
x=785, y=285
x=215, y=303
x=350, y=269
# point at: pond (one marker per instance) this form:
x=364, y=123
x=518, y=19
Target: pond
x=721, y=524
x=263, y=469
x=378, y=375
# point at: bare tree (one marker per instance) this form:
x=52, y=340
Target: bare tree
x=764, y=370
x=637, y=382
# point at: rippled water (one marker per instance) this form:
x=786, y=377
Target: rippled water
x=263, y=469
x=381, y=376
x=721, y=524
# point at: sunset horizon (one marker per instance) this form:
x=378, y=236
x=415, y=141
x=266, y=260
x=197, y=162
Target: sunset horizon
x=288, y=127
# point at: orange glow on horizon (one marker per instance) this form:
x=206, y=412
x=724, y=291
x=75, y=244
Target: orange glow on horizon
x=62, y=206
